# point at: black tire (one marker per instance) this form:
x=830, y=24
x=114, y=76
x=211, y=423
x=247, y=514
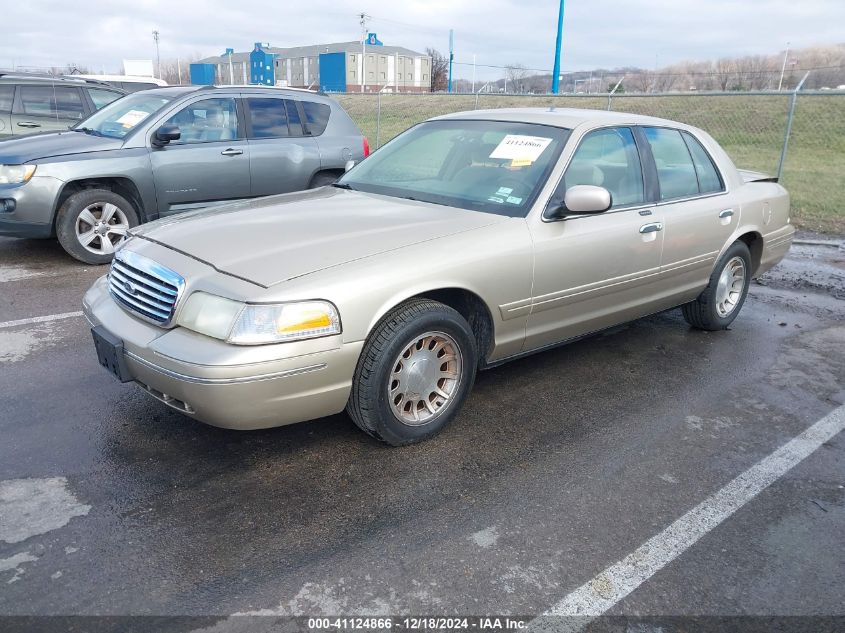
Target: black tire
x=369, y=405
x=702, y=313
x=66, y=221
x=322, y=179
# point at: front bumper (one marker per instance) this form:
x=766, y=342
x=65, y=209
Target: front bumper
x=34, y=203
x=227, y=385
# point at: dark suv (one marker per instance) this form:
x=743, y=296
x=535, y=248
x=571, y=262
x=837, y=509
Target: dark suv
x=34, y=103
x=161, y=151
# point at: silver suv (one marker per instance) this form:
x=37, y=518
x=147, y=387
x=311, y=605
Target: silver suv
x=162, y=151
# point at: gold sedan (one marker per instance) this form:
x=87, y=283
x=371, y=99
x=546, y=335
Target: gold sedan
x=467, y=241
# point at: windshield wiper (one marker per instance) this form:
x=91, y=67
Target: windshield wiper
x=87, y=130
x=343, y=185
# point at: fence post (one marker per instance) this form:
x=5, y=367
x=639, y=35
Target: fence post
x=789, y=119
x=378, y=120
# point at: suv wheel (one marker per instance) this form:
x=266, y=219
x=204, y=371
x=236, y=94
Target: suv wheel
x=322, y=179
x=91, y=223
x=415, y=372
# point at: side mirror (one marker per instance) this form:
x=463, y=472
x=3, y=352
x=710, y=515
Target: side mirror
x=580, y=200
x=165, y=134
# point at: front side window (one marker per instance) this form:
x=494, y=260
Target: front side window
x=490, y=166
x=120, y=117
x=608, y=158
x=675, y=170
x=7, y=93
x=206, y=121
x=708, y=176
x=269, y=118
x=54, y=101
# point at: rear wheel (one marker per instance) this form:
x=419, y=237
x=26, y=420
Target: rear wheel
x=722, y=299
x=322, y=179
x=91, y=224
x=414, y=373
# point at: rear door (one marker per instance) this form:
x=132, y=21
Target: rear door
x=697, y=215
x=209, y=164
x=45, y=108
x=7, y=97
x=282, y=157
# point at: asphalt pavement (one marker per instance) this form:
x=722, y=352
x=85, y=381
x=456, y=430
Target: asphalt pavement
x=560, y=466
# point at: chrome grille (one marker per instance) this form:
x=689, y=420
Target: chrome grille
x=145, y=287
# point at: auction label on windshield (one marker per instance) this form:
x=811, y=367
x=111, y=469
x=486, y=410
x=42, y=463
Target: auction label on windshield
x=418, y=623
x=524, y=149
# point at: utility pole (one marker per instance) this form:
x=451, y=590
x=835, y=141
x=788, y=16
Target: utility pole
x=558, y=44
x=158, y=56
x=451, y=56
x=364, y=17
x=783, y=68
x=473, y=72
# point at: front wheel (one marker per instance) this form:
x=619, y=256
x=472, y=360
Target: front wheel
x=415, y=372
x=92, y=222
x=720, y=302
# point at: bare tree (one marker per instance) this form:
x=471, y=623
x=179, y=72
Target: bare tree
x=515, y=75
x=439, y=70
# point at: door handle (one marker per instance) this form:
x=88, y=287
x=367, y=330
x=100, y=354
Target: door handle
x=652, y=227
x=232, y=152
x=727, y=213
x=28, y=124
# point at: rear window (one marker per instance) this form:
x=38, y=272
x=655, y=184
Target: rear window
x=316, y=116
x=708, y=177
x=7, y=93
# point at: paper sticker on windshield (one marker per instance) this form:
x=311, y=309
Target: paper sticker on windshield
x=132, y=118
x=518, y=148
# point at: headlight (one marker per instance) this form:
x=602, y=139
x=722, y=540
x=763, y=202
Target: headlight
x=256, y=324
x=15, y=174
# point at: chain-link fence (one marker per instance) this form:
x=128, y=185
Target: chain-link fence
x=751, y=127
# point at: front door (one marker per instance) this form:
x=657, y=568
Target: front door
x=209, y=164
x=46, y=108
x=594, y=271
x=282, y=158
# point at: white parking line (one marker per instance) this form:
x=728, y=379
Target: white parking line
x=41, y=319
x=600, y=594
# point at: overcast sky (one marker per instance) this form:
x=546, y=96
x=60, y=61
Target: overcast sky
x=99, y=34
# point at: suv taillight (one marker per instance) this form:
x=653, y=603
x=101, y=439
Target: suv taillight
x=366, y=147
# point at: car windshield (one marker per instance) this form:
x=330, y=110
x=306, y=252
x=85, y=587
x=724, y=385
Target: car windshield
x=120, y=117
x=491, y=166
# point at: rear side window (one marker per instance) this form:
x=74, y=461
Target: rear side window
x=57, y=101
x=269, y=118
x=7, y=93
x=708, y=176
x=294, y=121
x=316, y=117
x=675, y=170
x=102, y=97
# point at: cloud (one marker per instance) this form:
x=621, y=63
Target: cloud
x=99, y=34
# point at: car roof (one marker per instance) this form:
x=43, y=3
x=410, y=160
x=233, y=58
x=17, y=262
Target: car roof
x=40, y=78
x=178, y=91
x=559, y=117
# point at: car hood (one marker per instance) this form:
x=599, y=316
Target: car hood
x=275, y=239
x=25, y=149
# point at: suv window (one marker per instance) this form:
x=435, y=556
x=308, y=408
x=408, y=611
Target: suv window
x=53, y=101
x=294, y=121
x=708, y=176
x=206, y=121
x=608, y=158
x=316, y=116
x=675, y=170
x=269, y=117
x=7, y=93
x=102, y=97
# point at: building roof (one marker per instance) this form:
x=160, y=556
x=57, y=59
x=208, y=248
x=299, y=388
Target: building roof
x=314, y=50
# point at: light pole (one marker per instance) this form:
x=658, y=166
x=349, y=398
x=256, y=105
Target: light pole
x=158, y=56
x=451, y=56
x=558, y=43
x=783, y=68
x=363, y=17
